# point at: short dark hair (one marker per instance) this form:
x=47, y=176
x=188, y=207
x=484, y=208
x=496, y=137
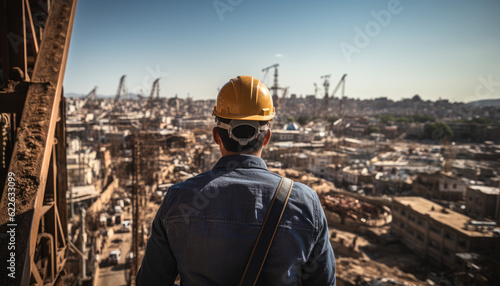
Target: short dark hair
x=241, y=132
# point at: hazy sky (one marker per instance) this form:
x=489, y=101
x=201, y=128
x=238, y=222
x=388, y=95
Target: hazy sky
x=434, y=48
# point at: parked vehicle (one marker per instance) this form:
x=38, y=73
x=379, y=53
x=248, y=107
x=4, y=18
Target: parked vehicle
x=114, y=257
x=102, y=220
x=126, y=226
x=118, y=219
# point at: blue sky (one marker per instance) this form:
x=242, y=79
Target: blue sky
x=446, y=49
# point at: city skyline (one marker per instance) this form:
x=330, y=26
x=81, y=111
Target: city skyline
x=393, y=49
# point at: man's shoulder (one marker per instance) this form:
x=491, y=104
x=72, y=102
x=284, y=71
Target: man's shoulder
x=206, y=177
x=197, y=180
x=303, y=187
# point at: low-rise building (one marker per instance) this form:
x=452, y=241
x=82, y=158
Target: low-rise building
x=439, y=185
x=290, y=135
x=483, y=202
x=437, y=234
x=319, y=161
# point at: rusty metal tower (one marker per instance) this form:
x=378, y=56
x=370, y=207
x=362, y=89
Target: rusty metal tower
x=34, y=46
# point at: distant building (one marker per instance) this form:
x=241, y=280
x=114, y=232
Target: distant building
x=439, y=186
x=292, y=126
x=415, y=131
x=290, y=135
x=319, y=161
x=86, y=194
x=83, y=167
x=437, y=234
x=356, y=130
x=355, y=176
x=474, y=132
x=391, y=132
x=193, y=123
x=483, y=202
x=297, y=161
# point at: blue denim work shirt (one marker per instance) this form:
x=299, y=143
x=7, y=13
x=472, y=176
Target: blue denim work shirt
x=207, y=226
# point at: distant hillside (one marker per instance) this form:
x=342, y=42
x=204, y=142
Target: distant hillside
x=486, y=102
x=72, y=94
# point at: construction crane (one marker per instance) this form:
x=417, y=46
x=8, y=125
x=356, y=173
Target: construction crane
x=315, y=90
x=121, y=89
x=91, y=95
x=283, y=96
x=155, y=88
x=285, y=92
x=326, y=85
x=89, y=98
x=275, y=86
x=341, y=82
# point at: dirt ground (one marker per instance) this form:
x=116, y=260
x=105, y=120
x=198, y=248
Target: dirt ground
x=359, y=260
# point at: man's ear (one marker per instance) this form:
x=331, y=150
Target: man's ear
x=216, y=136
x=268, y=137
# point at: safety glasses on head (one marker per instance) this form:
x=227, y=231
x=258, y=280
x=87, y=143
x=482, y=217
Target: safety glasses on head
x=234, y=124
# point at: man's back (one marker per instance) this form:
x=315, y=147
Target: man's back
x=207, y=226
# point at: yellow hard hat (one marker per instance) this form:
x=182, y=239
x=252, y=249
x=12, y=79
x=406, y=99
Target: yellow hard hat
x=244, y=98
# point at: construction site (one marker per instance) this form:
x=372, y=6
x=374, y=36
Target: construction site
x=83, y=177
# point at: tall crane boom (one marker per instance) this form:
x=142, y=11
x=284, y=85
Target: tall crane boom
x=121, y=89
x=326, y=84
x=89, y=98
x=341, y=82
x=275, y=86
x=91, y=95
x=155, y=89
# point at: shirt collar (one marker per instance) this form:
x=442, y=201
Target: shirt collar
x=240, y=161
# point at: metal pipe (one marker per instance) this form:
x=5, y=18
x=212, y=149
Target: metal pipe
x=26, y=76
x=33, y=33
x=84, y=250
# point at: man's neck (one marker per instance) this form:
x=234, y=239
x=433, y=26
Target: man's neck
x=227, y=153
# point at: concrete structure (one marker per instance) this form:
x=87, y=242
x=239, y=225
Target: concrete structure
x=483, y=202
x=290, y=135
x=354, y=176
x=439, y=185
x=437, y=234
x=319, y=161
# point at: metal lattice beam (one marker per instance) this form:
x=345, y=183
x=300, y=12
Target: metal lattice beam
x=38, y=162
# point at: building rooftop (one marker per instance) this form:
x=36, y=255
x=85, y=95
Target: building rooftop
x=487, y=190
x=444, y=216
